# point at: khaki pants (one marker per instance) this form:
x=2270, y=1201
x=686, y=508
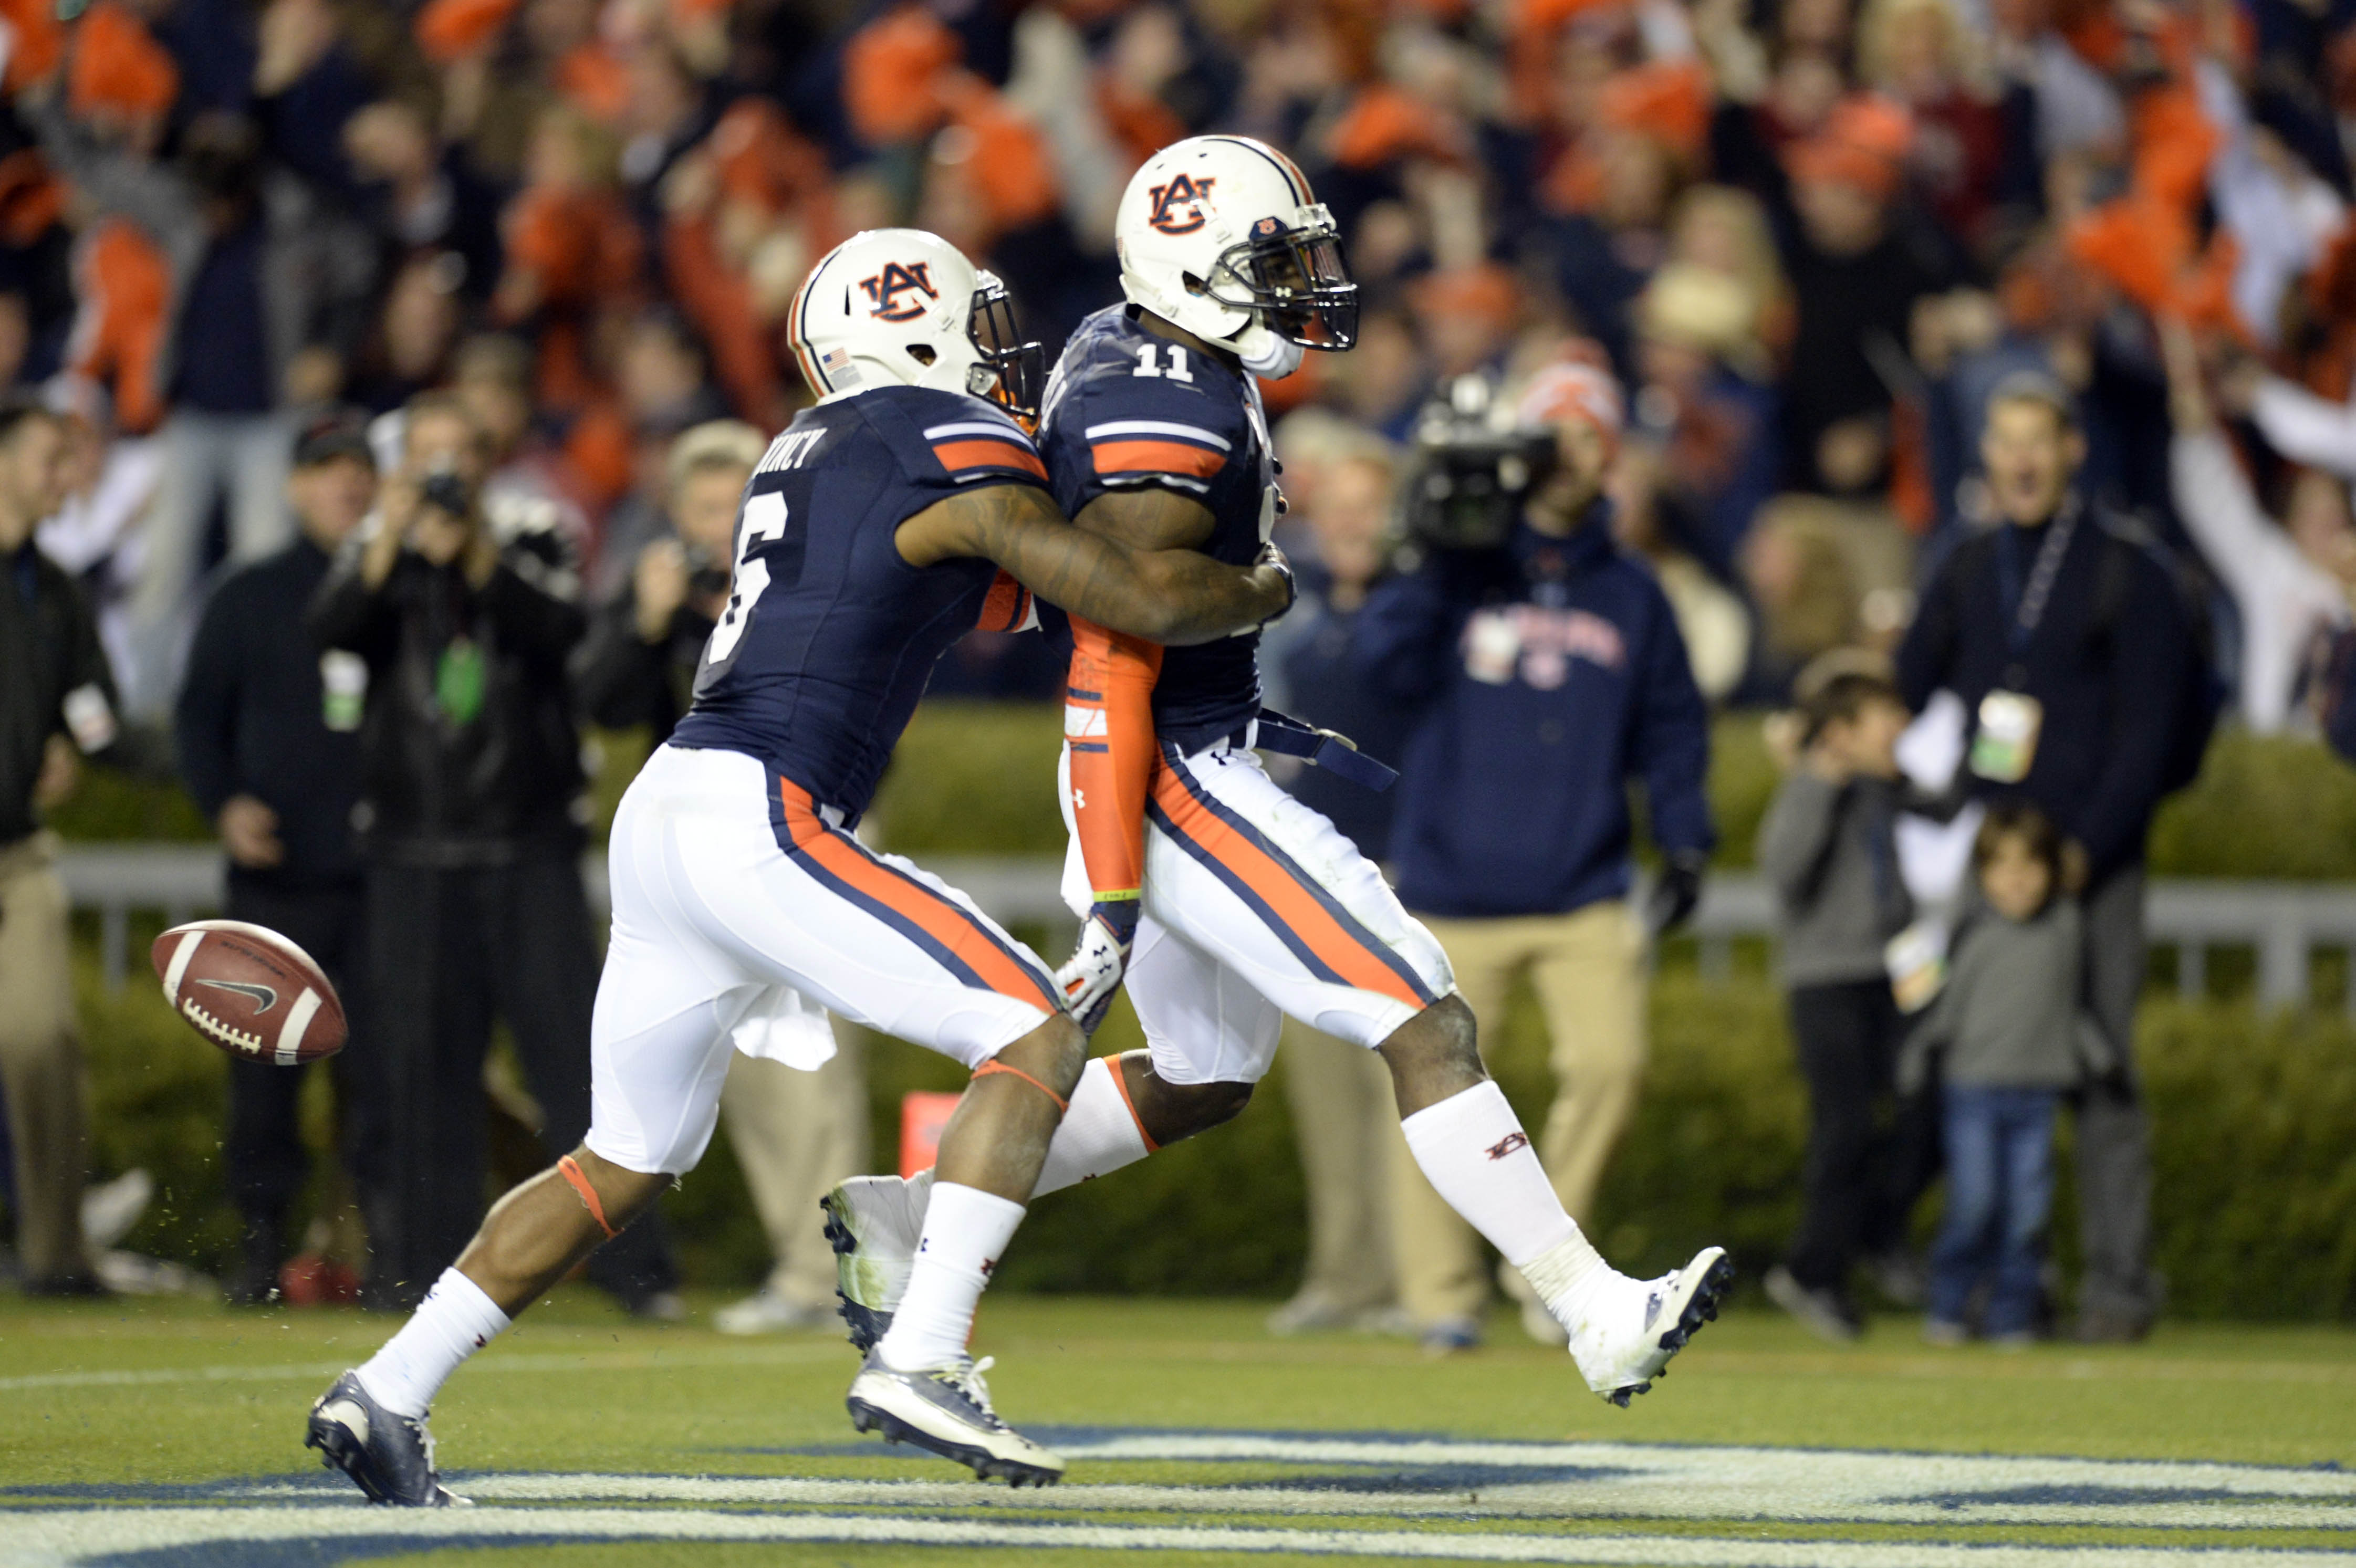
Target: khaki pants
x=1346, y=1121
x=796, y=1134
x=1588, y=968
x=41, y=1061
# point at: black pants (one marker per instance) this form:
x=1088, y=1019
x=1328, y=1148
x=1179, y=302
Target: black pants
x=1869, y=1154
x=451, y=951
x=262, y=1156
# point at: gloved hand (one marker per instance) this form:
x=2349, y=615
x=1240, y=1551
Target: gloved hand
x=1093, y=972
x=1676, y=892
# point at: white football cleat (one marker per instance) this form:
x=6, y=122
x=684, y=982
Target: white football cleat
x=874, y=1224
x=1626, y=1334
x=947, y=1410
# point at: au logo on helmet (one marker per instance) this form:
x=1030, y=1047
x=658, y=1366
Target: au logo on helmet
x=884, y=289
x=1178, y=206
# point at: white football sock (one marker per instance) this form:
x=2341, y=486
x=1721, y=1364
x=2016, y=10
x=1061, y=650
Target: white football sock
x=965, y=1231
x=1098, y=1134
x=1472, y=1149
x=453, y=1321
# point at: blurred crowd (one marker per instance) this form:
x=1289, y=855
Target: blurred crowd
x=246, y=245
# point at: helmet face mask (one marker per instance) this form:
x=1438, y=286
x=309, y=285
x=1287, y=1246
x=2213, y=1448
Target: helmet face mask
x=1012, y=371
x=1293, y=282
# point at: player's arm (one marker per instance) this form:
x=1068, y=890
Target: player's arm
x=1168, y=596
x=1108, y=729
x=1108, y=733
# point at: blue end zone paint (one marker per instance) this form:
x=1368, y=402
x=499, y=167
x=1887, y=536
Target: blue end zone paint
x=1440, y=1480
x=2100, y=1497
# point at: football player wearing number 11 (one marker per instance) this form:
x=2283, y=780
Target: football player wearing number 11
x=1224, y=902
x=906, y=509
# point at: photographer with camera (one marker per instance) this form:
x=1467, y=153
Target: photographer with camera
x=1548, y=670
x=470, y=818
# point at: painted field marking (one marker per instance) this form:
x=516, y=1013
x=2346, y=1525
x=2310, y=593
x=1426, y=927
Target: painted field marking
x=205, y=1538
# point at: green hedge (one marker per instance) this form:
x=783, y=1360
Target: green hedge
x=1714, y=1154
x=2261, y=1232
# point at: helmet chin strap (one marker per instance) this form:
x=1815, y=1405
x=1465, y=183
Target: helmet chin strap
x=1264, y=353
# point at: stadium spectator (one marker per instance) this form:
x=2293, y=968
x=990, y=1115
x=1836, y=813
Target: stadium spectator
x=1344, y=1114
x=2006, y=1036
x=265, y=285
x=795, y=1134
x=1546, y=675
x=1828, y=846
x=267, y=731
x=57, y=703
x=470, y=777
x=2290, y=581
x=2065, y=635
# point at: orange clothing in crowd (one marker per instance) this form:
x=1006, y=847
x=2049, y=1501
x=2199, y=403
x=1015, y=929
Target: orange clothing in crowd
x=450, y=30
x=118, y=65
x=123, y=286
x=568, y=252
x=37, y=42
x=892, y=72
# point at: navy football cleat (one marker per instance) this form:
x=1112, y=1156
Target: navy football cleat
x=388, y=1457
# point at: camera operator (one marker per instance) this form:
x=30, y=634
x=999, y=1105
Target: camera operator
x=795, y=1134
x=470, y=777
x=1550, y=671
x=638, y=665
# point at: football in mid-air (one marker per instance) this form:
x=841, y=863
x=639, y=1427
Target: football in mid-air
x=249, y=991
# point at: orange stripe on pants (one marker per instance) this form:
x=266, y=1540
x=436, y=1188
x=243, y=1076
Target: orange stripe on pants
x=938, y=918
x=1275, y=887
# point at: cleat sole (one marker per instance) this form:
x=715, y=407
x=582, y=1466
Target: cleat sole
x=1700, y=1307
x=864, y=1325
x=985, y=1466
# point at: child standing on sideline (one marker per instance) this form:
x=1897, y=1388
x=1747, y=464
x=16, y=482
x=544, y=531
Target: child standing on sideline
x=2008, y=1026
x=1828, y=846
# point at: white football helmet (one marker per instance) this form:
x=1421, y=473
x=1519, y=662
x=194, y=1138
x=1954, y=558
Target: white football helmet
x=900, y=306
x=1222, y=236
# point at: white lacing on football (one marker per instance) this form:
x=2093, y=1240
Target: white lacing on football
x=227, y=1034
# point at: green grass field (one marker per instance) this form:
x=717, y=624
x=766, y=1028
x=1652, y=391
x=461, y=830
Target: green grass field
x=167, y=1433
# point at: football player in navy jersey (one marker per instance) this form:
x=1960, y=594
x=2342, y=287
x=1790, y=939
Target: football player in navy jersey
x=906, y=509
x=1221, y=902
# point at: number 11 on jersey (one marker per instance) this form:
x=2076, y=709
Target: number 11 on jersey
x=1146, y=364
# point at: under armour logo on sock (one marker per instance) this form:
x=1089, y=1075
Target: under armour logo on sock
x=988, y=1267
x=1508, y=1144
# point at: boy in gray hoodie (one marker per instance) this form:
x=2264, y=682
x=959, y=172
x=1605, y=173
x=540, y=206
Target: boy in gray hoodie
x=2008, y=1026
x=1829, y=848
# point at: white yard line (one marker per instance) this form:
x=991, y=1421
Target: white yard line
x=1582, y=1499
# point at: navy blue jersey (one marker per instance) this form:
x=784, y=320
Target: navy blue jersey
x=1126, y=409
x=830, y=635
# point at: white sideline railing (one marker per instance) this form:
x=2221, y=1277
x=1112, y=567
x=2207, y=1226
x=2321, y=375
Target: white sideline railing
x=2283, y=923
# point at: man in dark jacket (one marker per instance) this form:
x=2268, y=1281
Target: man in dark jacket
x=56, y=698
x=2064, y=633
x=471, y=786
x=266, y=725
x=1551, y=671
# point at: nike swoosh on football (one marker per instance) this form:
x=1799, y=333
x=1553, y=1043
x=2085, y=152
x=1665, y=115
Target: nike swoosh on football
x=262, y=995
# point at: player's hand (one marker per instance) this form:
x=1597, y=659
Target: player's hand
x=1093, y=972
